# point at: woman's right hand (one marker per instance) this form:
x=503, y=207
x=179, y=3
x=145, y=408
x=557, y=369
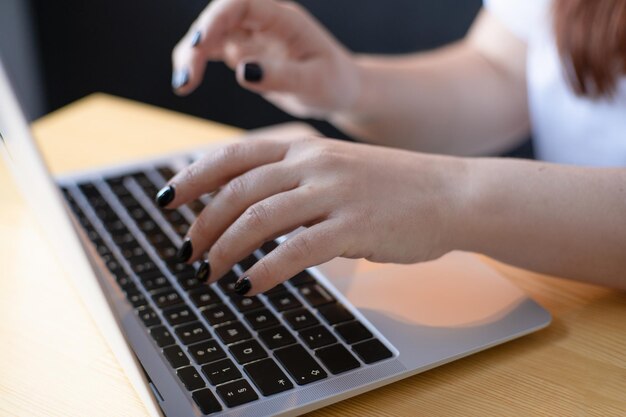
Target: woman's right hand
x=277, y=49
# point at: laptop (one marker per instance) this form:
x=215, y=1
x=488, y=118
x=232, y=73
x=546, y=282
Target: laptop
x=191, y=349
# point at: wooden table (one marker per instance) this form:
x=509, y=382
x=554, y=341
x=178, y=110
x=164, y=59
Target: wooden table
x=53, y=361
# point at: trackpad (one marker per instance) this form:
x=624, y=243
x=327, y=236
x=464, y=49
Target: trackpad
x=454, y=291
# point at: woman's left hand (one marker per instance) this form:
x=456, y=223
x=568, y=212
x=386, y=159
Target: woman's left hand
x=357, y=201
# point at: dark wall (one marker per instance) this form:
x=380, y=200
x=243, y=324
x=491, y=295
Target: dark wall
x=123, y=48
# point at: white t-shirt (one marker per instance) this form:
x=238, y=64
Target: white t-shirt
x=566, y=128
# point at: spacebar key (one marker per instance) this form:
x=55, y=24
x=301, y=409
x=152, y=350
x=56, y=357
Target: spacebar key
x=302, y=367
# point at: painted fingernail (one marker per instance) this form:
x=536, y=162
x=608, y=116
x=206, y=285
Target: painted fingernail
x=242, y=286
x=203, y=272
x=185, y=250
x=195, y=40
x=165, y=196
x=180, y=79
x=252, y=72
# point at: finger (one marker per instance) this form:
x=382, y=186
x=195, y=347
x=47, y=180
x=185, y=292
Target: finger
x=188, y=63
x=262, y=221
x=283, y=20
x=221, y=18
x=234, y=198
x=217, y=168
x=262, y=74
x=313, y=246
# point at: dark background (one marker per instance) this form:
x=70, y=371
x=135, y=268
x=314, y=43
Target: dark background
x=123, y=48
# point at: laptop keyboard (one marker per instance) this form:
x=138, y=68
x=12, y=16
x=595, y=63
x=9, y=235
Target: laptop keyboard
x=227, y=350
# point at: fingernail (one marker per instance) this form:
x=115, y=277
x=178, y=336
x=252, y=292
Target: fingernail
x=195, y=40
x=180, y=79
x=203, y=272
x=242, y=286
x=252, y=72
x=165, y=196
x=185, y=251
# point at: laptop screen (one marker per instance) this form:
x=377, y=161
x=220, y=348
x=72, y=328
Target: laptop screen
x=42, y=196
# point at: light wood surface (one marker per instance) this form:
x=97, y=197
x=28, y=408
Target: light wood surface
x=53, y=360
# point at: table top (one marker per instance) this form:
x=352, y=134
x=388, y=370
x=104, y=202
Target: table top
x=53, y=360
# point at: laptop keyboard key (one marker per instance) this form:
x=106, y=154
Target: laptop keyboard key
x=275, y=290
x=247, y=351
x=277, y=337
x=125, y=238
x=166, y=298
x=206, y=401
x=221, y=371
x=136, y=298
x=371, y=351
x=248, y=262
x=300, y=365
x=144, y=266
x=175, y=356
x=300, y=318
x=232, y=332
x=268, y=377
x=125, y=283
x=161, y=336
x=148, y=316
x=190, y=283
x=237, y=393
x=244, y=304
x=302, y=278
x=269, y=246
x=315, y=294
x=260, y=319
x=227, y=282
x=353, y=332
x=196, y=207
x=218, y=314
x=192, y=333
x=182, y=270
x=317, y=336
x=144, y=182
x=205, y=352
x=179, y=315
x=191, y=378
x=335, y=313
x=204, y=297
x=284, y=301
x=166, y=172
x=337, y=358
x=154, y=281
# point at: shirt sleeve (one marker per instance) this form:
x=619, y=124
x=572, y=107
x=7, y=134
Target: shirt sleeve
x=520, y=16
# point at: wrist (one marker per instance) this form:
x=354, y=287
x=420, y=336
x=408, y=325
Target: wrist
x=462, y=227
x=357, y=95
x=485, y=207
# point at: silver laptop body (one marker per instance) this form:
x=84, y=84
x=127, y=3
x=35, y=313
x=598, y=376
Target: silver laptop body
x=402, y=319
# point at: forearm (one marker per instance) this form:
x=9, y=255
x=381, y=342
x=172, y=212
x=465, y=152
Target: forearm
x=560, y=220
x=468, y=98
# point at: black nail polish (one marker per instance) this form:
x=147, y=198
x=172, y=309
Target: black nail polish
x=195, y=40
x=165, y=196
x=180, y=79
x=253, y=72
x=242, y=286
x=185, y=251
x=203, y=272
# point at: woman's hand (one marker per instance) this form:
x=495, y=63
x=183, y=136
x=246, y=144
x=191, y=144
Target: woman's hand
x=358, y=201
x=276, y=48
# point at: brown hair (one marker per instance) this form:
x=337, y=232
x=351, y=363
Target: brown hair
x=591, y=38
